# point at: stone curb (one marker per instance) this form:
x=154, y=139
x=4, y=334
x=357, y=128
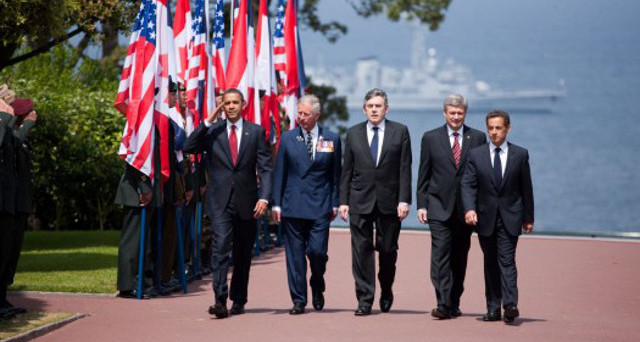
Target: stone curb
x=45, y=329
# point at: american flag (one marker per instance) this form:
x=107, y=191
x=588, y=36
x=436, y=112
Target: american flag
x=265, y=76
x=182, y=35
x=166, y=115
x=199, y=93
x=218, y=47
x=135, y=96
x=288, y=58
x=241, y=69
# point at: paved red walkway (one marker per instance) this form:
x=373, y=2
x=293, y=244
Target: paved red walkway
x=570, y=290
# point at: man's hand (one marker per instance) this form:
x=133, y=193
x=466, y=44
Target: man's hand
x=188, y=195
x=422, y=216
x=275, y=214
x=5, y=107
x=344, y=212
x=260, y=209
x=213, y=115
x=527, y=227
x=471, y=218
x=32, y=116
x=145, y=199
x=403, y=211
x=203, y=190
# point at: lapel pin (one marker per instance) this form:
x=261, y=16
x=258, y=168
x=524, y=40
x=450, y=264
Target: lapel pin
x=299, y=138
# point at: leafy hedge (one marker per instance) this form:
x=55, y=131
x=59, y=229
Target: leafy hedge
x=74, y=145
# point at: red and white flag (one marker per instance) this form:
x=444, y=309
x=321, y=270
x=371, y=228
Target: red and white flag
x=200, y=80
x=182, y=34
x=135, y=98
x=265, y=76
x=241, y=68
x=218, y=57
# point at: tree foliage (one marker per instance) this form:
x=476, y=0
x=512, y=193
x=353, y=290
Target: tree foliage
x=74, y=144
x=41, y=24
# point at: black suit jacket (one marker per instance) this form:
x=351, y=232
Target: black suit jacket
x=513, y=200
x=8, y=180
x=438, y=179
x=254, y=159
x=363, y=184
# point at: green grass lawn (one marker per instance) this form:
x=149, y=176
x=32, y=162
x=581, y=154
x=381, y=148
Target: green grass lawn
x=68, y=261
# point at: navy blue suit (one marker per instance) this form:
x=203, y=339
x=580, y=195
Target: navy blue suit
x=501, y=211
x=306, y=190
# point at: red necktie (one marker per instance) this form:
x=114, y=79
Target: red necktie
x=456, y=149
x=233, y=145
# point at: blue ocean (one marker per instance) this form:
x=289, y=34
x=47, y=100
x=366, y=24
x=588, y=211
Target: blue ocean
x=585, y=149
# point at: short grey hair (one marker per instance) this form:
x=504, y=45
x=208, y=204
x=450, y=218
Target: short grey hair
x=455, y=100
x=376, y=92
x=313, y=100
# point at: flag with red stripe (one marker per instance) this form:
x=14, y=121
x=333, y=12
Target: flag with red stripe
x=241, y=68
x=135, y=96
x=265, y=75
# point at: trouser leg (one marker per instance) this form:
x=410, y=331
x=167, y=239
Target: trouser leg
x=362, y=258
x=441, y=238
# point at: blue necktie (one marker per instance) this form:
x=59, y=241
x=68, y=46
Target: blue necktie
x=374, y=145
x=497, y=167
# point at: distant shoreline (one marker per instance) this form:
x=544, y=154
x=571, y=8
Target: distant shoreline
x=627, y=236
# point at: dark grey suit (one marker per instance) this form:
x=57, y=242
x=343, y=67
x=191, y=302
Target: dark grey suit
x=501, y=212
x=232, y=195
x=439, y=192
x=373, y=194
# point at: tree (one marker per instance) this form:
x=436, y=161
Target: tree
x=43, y=24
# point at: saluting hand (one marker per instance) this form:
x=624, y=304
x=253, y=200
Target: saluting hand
x=213, y=115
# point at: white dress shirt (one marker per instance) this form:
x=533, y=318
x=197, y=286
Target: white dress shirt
x=504, y=148
x=381, y=128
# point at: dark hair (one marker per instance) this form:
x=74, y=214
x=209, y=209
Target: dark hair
x=376, y=92
x=499, y=113
x=233, y=91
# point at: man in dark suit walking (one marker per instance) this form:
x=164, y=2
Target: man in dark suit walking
x=375, y=190
x=238, y=154
x=305, y=197
x=442, y=161
x=497, y=196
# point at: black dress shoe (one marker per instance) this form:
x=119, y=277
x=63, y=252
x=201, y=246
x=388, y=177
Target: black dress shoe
x=219, y=310
x=297, y=309
x=363, y=311
x=511, y=313
x=133, y=294
x=455, y=312
x=441, y=312
x=318, y=300
x=237, y=309
x=491, y=317
x=385, y=303
x=6, y=314
x=16, y=310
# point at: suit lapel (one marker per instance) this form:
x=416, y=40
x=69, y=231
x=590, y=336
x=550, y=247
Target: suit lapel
x=386, y=142
x=466, y=141
x=223, y=140
x=446, y=142
x=509, y=168
x=300, y=147
x=247, y=133
x=364, y=143
x=488, y=165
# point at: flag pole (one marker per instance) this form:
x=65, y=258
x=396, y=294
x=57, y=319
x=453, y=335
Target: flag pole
x=141, y=254
x=158, y=267
x=183, y=276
